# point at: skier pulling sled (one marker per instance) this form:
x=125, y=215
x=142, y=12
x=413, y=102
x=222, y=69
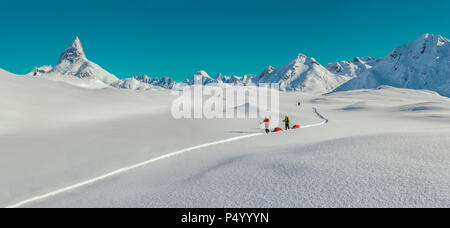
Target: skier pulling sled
x=286, y=123
x=266, y=123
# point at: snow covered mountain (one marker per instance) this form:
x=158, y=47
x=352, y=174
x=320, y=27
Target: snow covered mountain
x=73, y=62
x=301, y=74
x=352, y=68
x=422, y=64
x=266, y=71
x=163, y=82
x=131, y=83
x=201, y=78
x=304, y=74
x=221, y=78
x=248, y=79
x=233, y=80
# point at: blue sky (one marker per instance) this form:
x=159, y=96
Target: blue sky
x=177, y=38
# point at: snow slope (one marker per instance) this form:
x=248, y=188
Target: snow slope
x=380, y=155
x=422, y=64
x=380, y=148
x=35, y=102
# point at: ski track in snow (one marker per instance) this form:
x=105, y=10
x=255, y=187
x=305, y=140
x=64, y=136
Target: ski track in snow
x=129, y=168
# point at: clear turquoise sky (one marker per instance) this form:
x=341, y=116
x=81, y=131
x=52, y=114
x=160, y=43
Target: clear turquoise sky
x=176, y=38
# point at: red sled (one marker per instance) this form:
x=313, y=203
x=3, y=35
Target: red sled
x=277, y=129
x=296, y=127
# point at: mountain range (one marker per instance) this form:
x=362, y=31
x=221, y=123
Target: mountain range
x=422, y=64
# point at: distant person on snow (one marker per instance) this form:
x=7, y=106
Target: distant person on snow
x=266, y=122
x=299, y=104
x=286, y=123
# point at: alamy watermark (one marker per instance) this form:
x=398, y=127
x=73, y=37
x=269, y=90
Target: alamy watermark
x=218, y=101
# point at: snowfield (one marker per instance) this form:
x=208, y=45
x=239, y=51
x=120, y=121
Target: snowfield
x=385, y=147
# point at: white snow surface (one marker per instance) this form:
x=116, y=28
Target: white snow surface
x=386, y=147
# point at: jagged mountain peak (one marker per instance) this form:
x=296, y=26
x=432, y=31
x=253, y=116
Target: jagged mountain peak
x=358, y=59
x=202, y=73
x=352, y=68
x=73, y=53
x=304, y=74
x=143, y=78
x=427, y=47
x=201, y=77
x=302, y=59
x=73, y=62
x=220, y=78
x=431, y=38
x=268, y=69
x=427, y=43
x=164, y=82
